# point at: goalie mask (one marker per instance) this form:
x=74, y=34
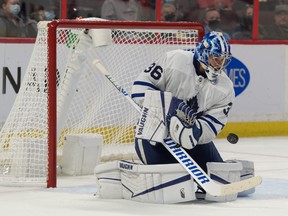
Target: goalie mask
x=213, y=53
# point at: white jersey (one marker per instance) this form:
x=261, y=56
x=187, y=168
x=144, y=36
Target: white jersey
x=175, y=72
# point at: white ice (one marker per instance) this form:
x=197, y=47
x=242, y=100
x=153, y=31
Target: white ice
x=74, y=196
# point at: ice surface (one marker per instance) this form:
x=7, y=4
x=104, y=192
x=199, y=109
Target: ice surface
x=74, y=196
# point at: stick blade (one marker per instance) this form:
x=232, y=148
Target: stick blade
x=240, y=186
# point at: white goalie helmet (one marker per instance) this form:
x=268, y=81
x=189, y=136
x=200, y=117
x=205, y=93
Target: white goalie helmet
x=213, y=52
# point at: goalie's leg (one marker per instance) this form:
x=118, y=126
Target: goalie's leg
x=158, y=154
x=169, y=183
x=150, y=153
x=204, y=153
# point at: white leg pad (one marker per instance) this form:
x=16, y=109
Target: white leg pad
x=168, y=183
x=224, y=173
x=108, y=180
x=247, y=172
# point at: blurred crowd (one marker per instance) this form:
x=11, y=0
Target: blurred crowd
x=19, y=18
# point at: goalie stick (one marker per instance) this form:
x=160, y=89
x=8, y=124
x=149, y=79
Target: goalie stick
x=202, y=179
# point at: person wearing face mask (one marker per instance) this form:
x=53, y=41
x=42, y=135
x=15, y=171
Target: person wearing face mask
x=11, y=24
x=169, y=13
x=279, y=30
x=244, y=30
x=212, y=21
x=49, y=15
x=43, y=15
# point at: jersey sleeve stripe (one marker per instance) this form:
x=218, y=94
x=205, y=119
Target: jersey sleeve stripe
x=210, y=125
x=137, y=95
x=215, y=120
x=146, y=84
x=163, y=105
x=197, y=132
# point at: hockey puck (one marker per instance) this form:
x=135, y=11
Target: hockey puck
x=232, y=138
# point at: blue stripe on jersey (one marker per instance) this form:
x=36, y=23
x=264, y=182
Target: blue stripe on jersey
x=215, y=120
x=197, y=132
x=137, y=95
x=210, y=124
x=163, y=106
x=141, y=83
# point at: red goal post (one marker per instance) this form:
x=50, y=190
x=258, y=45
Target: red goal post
x=63, y=46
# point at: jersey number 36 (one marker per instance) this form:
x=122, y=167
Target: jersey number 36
x=155, y=71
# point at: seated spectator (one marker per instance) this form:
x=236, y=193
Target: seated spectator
x=38, y=15
x=43, y=15
x=279, y=30
x=128, y=10
x=244, y=30
x=12, y=25
x=229, y=19
x=169, y=12
x=212, y=21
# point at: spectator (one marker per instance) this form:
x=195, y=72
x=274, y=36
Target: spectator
x=244, y=30
x=169, y=12
x=128, y=10
x=212, y=21
x=43, y=15
x=49, y=14
x=12, y=25
x=39, y=15
x=279, y=30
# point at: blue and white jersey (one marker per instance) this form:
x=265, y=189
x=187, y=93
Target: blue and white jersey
x=175, y=72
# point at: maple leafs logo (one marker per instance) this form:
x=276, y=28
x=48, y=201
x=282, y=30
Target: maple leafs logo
x=189, y=115
x=193, y=103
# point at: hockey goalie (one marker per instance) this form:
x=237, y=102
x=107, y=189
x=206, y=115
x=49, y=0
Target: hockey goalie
x=185, y=95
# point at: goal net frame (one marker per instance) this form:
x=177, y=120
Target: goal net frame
x=51, y=43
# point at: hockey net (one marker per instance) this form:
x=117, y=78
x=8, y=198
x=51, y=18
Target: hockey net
x=75, y=98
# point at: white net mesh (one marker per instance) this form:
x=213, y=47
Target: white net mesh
x=86, y=100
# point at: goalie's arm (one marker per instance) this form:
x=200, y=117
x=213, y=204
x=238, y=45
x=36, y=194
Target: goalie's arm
x=152, y=78
x=211, y=126
x=214, y=120
x=203, y=128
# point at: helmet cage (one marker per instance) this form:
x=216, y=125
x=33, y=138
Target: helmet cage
x=221, y=60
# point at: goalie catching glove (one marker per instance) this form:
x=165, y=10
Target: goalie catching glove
x=180, y=118
x=185, y=136
x=181, y=121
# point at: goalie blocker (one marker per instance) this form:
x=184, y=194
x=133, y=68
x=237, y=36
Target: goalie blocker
x=168, y=183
